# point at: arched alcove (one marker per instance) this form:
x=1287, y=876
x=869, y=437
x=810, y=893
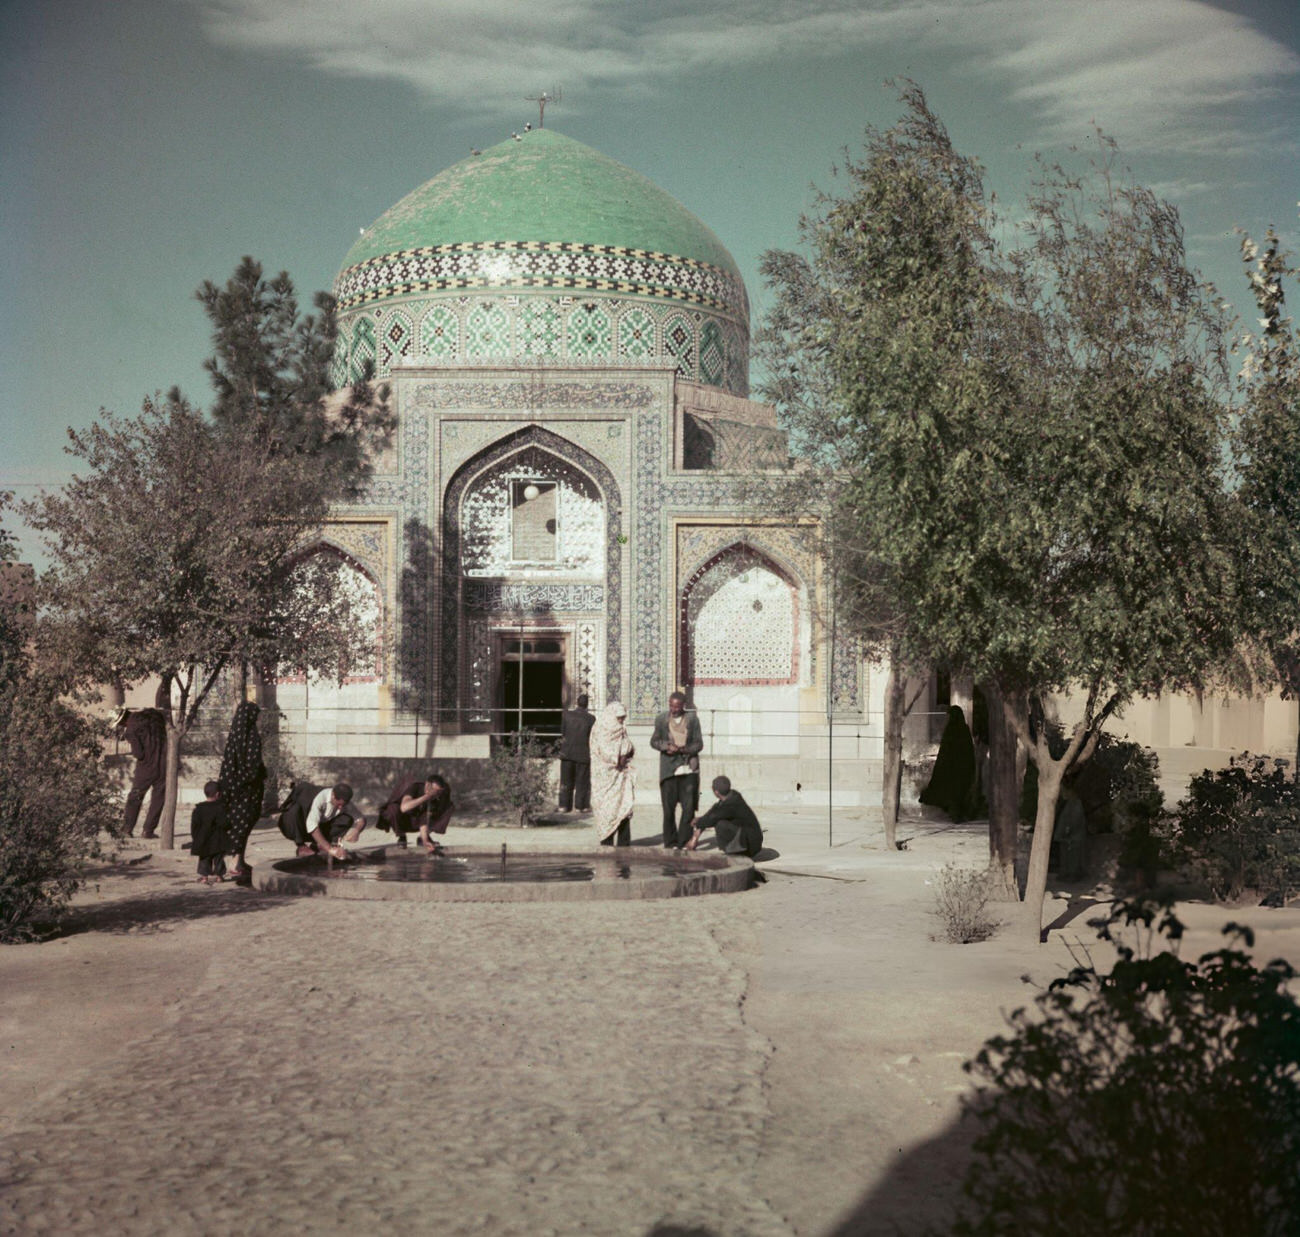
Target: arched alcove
x=739, y=621
x=499, y=557
x=365, y=607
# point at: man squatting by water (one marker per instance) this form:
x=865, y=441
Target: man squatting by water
x=732, y=820
x=328, y=810
x=424, y=805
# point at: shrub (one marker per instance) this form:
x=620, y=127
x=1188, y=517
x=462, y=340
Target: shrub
x=521, y=774
x=1161, y=1098
x=1239, y=828
x=961, y=898
x=54, y=800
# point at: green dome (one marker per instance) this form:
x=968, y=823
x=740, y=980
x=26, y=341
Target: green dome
x=542, y=251
x=544, y=187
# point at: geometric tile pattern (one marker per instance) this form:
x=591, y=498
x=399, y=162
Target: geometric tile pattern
x=739, y=623
x=713, y=358
x=395, y=338
x=440, y=333
x=487, y=332
x=590, y=336
x=540, y=330
x=680, y=343
x=636, y=335
x=557, y=265
x=533, y=330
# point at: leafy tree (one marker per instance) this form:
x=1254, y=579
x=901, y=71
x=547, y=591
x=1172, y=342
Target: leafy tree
x=885, y=300
x=178, y=552
x=1031, y=443
x=1162, y=1097
x=53, y=796
x=1268, y=449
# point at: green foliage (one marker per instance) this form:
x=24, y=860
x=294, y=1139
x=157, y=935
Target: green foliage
x=173, y=550
x=1160, y=1098
x=1239, y=829
x=1268, y=449
x=1029, y=444
x=520, y=772
x=961, y=898
x=54, y=798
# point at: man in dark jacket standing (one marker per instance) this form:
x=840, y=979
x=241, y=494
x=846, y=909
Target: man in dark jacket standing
x=145, y=732
x=575, y=758
x=679, y=741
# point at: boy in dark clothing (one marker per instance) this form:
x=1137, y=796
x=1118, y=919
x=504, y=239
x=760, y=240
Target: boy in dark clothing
x=208, y=840
x=732, y=820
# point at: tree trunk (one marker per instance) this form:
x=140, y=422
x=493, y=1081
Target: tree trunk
x=892, y=777
x=174, y=737
x=1003, y=793
x=1050, y=776
x=1295, y=770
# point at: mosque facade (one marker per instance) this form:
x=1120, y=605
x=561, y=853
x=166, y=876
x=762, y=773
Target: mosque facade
x=563, y=510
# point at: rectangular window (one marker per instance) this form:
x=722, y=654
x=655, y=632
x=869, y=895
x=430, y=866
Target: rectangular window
x=534, y=512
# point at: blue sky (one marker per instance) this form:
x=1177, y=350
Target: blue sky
x=146, y=145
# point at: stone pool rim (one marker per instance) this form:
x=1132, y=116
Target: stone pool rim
x=734, y=874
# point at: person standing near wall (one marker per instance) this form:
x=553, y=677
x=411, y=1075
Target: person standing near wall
x=679, y=741
x=145, y=732
x=575, y=758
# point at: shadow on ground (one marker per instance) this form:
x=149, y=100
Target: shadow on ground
x=162, y=910
x=919, y=1194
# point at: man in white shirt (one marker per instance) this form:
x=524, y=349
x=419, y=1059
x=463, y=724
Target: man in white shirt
x=327, y=812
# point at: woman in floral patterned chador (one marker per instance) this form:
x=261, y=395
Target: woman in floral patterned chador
x=243, y=781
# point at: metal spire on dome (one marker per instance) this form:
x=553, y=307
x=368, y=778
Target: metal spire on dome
x=547, y=96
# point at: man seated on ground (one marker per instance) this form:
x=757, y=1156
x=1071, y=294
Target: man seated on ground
x=732, y=821
x=313, y=818
x=426, y=805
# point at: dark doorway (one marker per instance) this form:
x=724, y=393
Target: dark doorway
x=532, y=686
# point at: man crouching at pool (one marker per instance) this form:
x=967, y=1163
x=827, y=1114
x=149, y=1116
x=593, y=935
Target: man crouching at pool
x=328, y=811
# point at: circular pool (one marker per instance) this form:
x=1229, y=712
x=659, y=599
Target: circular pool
x=478, y=874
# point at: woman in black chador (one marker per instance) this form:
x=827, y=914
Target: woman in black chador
x=953, y=785
x=243, y=781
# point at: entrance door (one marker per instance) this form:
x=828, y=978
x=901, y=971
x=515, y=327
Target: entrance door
x=531, y=692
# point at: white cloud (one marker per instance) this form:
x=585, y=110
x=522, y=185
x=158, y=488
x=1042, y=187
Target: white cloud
x=1174, y=75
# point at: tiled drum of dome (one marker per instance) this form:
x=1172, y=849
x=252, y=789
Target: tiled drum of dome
x=589, y=336
x=540, y=330
x=741, y=619
x=486, y=548
x=440, y=333
x=636, y=335
x=487, y=332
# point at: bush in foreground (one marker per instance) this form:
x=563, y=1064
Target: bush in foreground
x=54, y=800
x=961, y=898
x=1239, y=829
x=1161, y=1098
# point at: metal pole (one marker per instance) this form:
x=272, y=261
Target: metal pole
x=830, y=737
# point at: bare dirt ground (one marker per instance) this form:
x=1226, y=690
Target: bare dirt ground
x=192, y=1060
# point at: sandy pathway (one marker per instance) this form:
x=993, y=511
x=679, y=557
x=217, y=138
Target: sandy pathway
x=451, y=1069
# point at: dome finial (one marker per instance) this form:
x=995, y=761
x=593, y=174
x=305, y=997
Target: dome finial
x=547, y=96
